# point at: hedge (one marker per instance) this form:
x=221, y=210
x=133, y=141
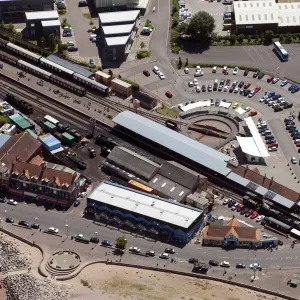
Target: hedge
x=143, y=54
x=210, y=65
x=135, y=86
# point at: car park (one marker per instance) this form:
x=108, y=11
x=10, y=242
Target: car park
x=107, y=243
x=270, y=78
x=240, y=266
x=134, y=250
x=248, y=213
x=261, y=75
x=235, y=71
x=12, y=202
x=213, y=263
x=146, y=73
x=284, y=83
x=186, y=70
x=246, y=72
x=164, y=256
x=275, y=80
x=9, y=220
x=169, y=250
x=255, y=74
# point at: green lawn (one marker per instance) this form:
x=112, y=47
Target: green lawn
x=167, y=111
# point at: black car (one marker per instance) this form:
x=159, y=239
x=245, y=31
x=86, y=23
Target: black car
x=230, y=201
x=203, y=88
x=94, y=240
x=2, y=200
x=24, y=223
x=240, y=266
x=72, y=48
x=296, y=137
x=118, y=251
x=244, y=210
x=35, y=225
x=146, y=73
x=9, y=220
x=231, y=89
x=255, y=74
x=222, y=81
x=270, y=141
x=231, y=204
x=213, y=263
x=193, y=260
x=220, y=88
x=82, y=3
x=217, y=103
x=241, y=84
x=150, y=253
x=278, y=108
x=169, y=250
x=246, y=72
x=277, y=96
x=261, y=75
x=246, y=92
x=287, y=105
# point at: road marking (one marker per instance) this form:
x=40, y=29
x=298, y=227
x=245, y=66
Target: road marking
x=263, y=48
x=248, y=52
x=257, y=52
x=223, y=257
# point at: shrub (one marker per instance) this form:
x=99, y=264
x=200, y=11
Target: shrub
x=62, y=11
x=149, y=24
x=142, y=54
x=175, y=49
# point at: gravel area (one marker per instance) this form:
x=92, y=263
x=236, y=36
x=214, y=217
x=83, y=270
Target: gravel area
x=28, y=287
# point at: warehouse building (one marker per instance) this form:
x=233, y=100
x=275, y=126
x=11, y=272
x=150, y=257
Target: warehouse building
x=14, y=10
x=42, y=23
x=116, y=33
x=143, y=213
x=259, y=16
x=205, y=160
x=104, y=5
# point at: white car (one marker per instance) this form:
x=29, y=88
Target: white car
x=186, y=70
x=247, y=108
x=12, y=202
x=255, y=265
x=164, y=255
x=198, y=89
x=236, y=90
x=235, y=70
x=195, y=81
x=226, y=88
x=262, y=99
x=161, y=75
x=191, y=84
x=53, y=230
x=134, y=249
x=214, y=70
x=198, y=69
x=70, y=44
x=225, y=202
x=275, y=80
x=260, y=218
x=293, y=160
x=82, y=194
x=198, y=74
x=225, y=264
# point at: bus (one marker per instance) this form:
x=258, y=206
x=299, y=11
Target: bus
x=281, y=51
x=51, y=120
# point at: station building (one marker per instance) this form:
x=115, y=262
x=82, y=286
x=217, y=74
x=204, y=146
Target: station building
x=217, y=166
x=161, y=218
x=116, y=33
x=259, y=16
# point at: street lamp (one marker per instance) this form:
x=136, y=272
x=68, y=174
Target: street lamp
x=67, y=226
x=96, y=234
x=5, y=213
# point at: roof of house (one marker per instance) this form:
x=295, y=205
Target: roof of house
x=22, y=146
x=255, y=12
x=118, y=16
x=117, y=40
x=133, y=162
x=174, y=141
x=243, y=233
x=117, y=29
x=42, y=15
x=146, y=205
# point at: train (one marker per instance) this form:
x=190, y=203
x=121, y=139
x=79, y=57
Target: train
x=22, y=105
x=52, y=66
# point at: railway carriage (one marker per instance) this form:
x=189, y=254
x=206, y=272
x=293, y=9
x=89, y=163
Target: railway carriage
x=23, y=52
x=8, y=58
x=91, y=83
x=33, y=69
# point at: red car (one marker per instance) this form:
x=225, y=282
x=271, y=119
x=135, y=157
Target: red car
x=257, y=89
x=274, y=145
x=246, y=85
x=298, y=145
x=240, y=207
x=254, y=215
x=169, y=94
x=270, y=78
x=249, y=213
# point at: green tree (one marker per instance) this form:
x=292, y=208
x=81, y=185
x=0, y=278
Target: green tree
x=142, y=45
x=240, y=38
x=268, y=37
x=249, y=37
x=91, y=23
x=2, y=24
x=11, y=27
x=121, y=242
x=232, y=39
x=52, y=42
x=288, y=38
x=179, y=63
x=62, y=47
x=201, y=26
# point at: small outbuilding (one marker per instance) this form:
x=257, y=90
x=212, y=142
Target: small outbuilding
x=121, y=87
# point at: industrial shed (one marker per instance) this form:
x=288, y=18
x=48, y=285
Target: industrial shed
x=121, y=87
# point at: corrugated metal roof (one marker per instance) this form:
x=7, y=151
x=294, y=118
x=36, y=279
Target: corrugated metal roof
x=42, y=15
x=118, y=16
x=146, y=205
x=174, y=141
x=69, y=65
x=289, y=14
x=283, y=201
x=3, y=139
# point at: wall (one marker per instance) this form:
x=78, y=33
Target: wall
x=256, y=27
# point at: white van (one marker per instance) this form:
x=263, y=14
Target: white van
x=224, y=69
x=156, y=69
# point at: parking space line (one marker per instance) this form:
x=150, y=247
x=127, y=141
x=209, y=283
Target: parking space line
x=263, y=48
x=257, y=52
x=248, y=52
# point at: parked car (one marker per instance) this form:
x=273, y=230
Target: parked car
x=255, y=265
x=275, y=80
x=214, y=69
x=235, y=71
x=209, y=88
x=150, y=253
x=134, y=250
x=35, y=226
x=254, y=215
x=225, y=264
x=241, y=84
x=261, y=75
x=52, y=230
x=213, y=263
x=251, y=94
x=260, y=218
x=106, y=243
x=295, y=90
x=235, y=105
x=234, y=206
x=12, y=202
x=186, y=70
x=257, y=89
x=291, y=87
x=293, y=160
x=230, y=202
x=270, y=78
x=82, y=3
x=193, y=260
x=164, y=256
x=169, y=250
x=2, y=200
x=240, y=207
x=94, y=240
x=246, y=72
x=255, y=74
x=203, y=88
x=146, y=73
x=169, y=94
x=284, y=83
x=248, y=213
x=76, y=203
x=240, y=266
x=9, y=220
x=244, y=210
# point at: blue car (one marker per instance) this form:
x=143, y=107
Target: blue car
x=288, y=120
x=295, y=90
x=284, y=83
x=76, y=203
x=271, y=94
x=291, y=130
x=261, y=130
x=291, y=87
x=107, y=243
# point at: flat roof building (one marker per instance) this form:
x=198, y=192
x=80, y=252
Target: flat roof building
x=180, y=221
